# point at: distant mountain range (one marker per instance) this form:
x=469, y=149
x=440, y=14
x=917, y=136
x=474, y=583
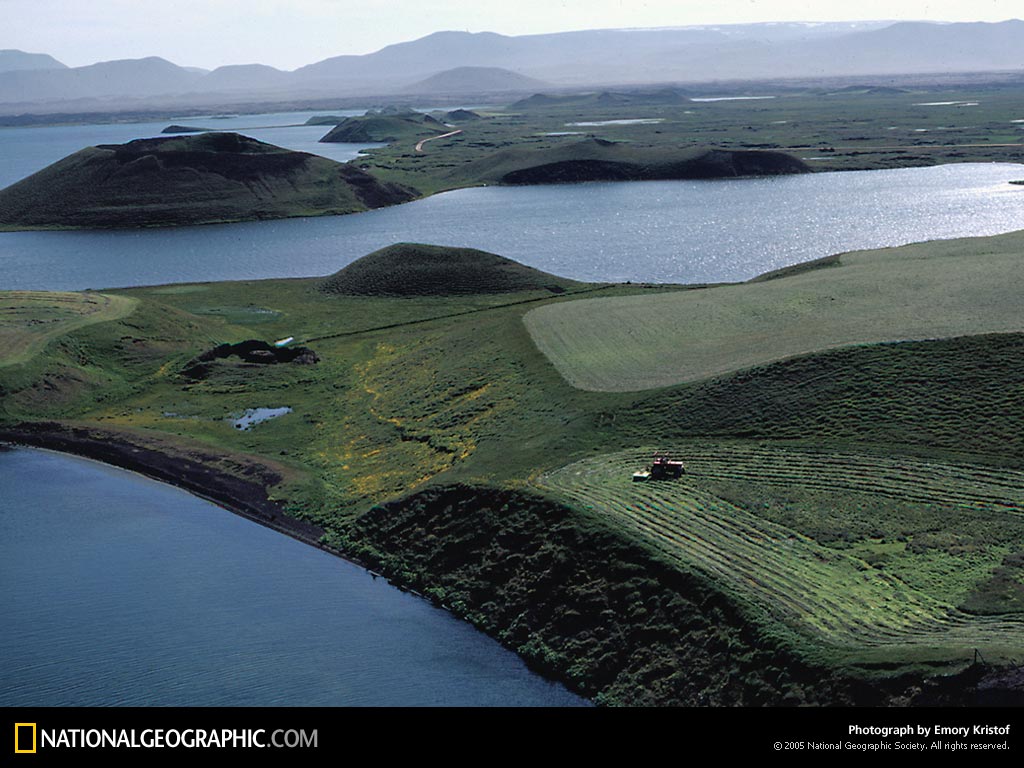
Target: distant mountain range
x=479, y=64
x=12, y=61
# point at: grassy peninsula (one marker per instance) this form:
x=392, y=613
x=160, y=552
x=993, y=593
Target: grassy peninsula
x=385, y=127
x=848, y=529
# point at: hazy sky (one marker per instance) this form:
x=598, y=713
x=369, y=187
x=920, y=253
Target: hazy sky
x=290, y=33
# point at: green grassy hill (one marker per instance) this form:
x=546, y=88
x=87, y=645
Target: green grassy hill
x=212, y=177
x=414, y=269
x=462, y=116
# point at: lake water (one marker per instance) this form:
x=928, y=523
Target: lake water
x=253, y=416
x=24, y=151
x=121, y=590
x=664, y=231
x=679, y=231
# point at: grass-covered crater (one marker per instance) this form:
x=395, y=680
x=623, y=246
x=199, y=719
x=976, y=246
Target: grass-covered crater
x=417, y=269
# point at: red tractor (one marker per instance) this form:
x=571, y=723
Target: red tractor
x=662, y=467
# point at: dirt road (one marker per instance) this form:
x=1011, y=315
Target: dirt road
x=419, y=145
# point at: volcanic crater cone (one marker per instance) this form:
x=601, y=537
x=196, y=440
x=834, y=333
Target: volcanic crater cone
x=212, y=177
x=414, y=269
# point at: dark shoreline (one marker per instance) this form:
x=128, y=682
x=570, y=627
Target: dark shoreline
x=245, y=498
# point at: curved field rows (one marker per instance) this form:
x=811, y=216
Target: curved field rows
x=824, y=593
x=907, y=479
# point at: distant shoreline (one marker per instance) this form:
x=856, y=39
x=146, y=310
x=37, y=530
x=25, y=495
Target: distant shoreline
x=367, y=190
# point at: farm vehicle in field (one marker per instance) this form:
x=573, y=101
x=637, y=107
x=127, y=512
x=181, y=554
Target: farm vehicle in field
x=662, y=467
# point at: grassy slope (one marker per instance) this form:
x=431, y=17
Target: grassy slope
x=955, y=397
x=467, y=399
x=896, y=606
x=922, y=292
x=87, y=364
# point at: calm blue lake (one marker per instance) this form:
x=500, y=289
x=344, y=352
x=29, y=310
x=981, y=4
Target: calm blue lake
x=121, y=590
x=677, y=231
x=659, y=231
x=24, y=151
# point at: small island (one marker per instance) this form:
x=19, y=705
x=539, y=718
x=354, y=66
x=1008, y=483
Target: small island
x=182, y=129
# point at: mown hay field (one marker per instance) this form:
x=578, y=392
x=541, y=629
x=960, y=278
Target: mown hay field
x=30, y=319
x=844, y=597
x=624, y=344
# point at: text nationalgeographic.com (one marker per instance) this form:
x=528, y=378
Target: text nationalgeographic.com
x=174, y=738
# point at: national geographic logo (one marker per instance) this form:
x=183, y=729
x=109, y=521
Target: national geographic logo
x=24, y=738
x=28, y=738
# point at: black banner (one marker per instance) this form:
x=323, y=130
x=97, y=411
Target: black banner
x=52, y=735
